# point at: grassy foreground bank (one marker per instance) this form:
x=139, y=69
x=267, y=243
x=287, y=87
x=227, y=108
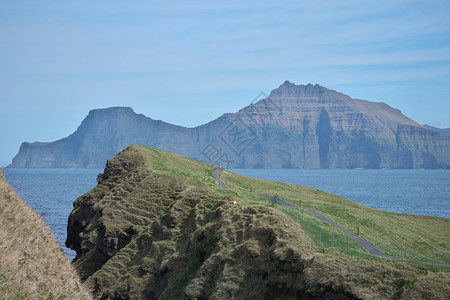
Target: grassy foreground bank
x=32, y=265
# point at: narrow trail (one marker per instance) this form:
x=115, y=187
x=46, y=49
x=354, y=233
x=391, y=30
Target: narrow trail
x=360, y=241
x=215, y=175
x=363, y=243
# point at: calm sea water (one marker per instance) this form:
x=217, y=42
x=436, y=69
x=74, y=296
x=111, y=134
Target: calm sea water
x=417, y=192
x=51, y=192
x=422, y=192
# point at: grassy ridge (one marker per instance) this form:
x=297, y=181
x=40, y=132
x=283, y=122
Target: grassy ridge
x=381, y=228
x=419, y=234
x=32, y=265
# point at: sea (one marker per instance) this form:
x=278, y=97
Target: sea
x=51, y=192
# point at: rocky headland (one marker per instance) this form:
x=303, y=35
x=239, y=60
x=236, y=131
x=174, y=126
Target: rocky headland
x=158, y=226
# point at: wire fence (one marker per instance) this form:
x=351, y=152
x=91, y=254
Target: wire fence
x=327, y=236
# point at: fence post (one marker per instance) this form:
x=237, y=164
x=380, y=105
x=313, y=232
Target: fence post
x=432, y=253
x=251, y=189
x=358, y=231
x=401, y=248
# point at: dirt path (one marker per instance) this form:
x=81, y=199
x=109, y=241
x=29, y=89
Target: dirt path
x=363, y=243
x=215, y=175
x=360, y=241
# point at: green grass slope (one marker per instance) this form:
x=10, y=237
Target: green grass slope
x=32, y=265
x=157, y=226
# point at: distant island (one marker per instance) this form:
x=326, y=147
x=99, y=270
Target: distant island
x=296, y=126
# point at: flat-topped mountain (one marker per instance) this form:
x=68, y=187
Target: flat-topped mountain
x=297, y=126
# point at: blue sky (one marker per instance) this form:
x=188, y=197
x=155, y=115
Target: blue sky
x=188, y=62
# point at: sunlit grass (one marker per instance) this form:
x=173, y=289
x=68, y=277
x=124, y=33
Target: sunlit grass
x=404, y=236
x=32, y=265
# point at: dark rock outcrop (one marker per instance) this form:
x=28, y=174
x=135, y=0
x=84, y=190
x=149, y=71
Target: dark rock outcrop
x=297, y=126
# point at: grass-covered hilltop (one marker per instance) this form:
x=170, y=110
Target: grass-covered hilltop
x=158, y=226
x=32, y=265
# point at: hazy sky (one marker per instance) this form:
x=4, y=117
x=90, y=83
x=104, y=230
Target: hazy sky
x=187, y=62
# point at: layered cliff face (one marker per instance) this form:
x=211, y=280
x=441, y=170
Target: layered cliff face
x=297, y=126
x=313, y=127
x=157, y=226
x=101, y=135
x=443, y=130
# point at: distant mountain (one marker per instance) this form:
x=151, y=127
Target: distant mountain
x=444, y=130
x=297, y=126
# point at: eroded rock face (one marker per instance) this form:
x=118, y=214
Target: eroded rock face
x=141, y=245
x=298, y=126
x=101, y=241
